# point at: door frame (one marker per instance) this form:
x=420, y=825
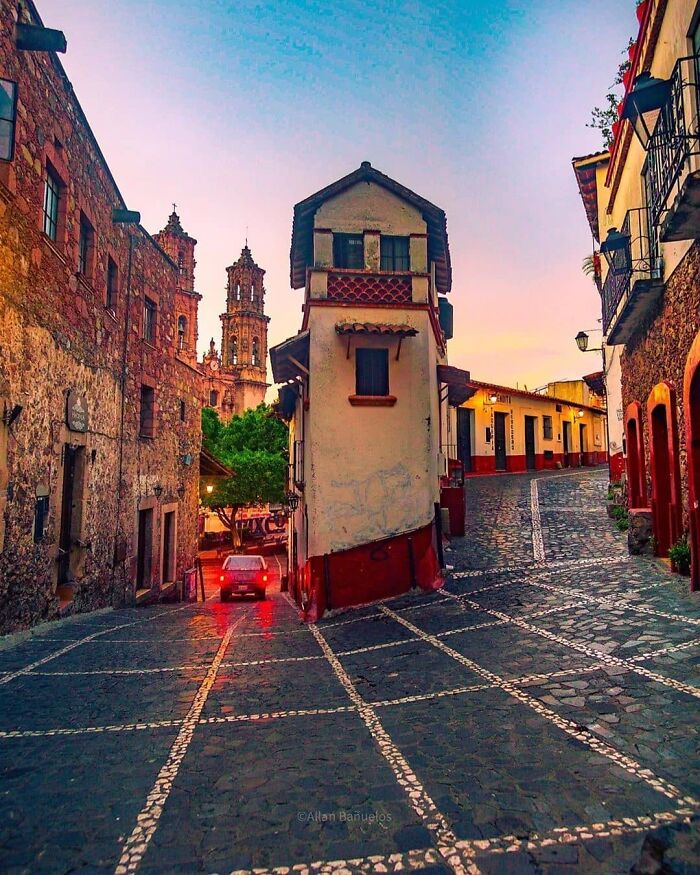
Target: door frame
x=531, y=422
x=566, y=442
x=171, y=507
x=663, y=396
x=692, y=444
x=500, y=416
x=465, y=415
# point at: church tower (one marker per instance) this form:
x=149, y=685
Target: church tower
x=179, y=246
x=244, y=332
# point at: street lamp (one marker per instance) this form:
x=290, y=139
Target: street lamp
x=643, y=105
x=582, y=342
x=291, y=499
x=613, y=244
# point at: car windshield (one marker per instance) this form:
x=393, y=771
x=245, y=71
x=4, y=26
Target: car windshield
x=244, y=563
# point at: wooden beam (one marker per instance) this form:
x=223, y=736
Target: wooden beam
x=298, y=364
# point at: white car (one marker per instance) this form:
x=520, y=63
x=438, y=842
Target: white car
x=243, y=575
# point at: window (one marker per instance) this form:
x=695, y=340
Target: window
x=213, y=398
x=8, y=114
x=547, y=428
x=85, y=246
x=256, y=353
x=394, y=253
x=183, y=411
x=348, y=251
x=181, y=332
x=52, y=197
x=298, y=464
x=181, y=262
x=150, y=313
x=238, y=291
x=112, y=284
x=146, y=413
x=252, y=293
x=372, y=371
x=234, y=350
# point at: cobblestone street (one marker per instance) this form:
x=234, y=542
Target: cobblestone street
x=538, y=715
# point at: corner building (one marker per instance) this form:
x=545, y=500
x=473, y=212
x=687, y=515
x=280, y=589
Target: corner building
x=362, y=392
x=99, y=400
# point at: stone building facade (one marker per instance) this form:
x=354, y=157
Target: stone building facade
x=99, y=405
x=648, y=203
x=235, y=379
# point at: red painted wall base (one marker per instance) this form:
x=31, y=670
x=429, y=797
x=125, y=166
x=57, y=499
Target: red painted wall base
x=617, y=467
x=518, y=464
x=368, y=572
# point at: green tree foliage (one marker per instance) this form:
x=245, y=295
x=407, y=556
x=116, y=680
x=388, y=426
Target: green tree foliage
x=254, y=446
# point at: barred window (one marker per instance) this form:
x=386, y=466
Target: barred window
x=372, y=371
x=150, y=313
x=348, y=251
x=213, y=398
x=547, y=427
x=147, y=412
x=8, y=115
x=52, y=198
x=112, y=284
x=85, y=246
x=394, y=253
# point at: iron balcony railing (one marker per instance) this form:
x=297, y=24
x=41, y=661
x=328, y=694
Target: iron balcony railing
x=638, y=261
x=674, y=147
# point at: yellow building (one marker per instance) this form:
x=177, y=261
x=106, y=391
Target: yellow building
x=501, y=429
x=362, y=391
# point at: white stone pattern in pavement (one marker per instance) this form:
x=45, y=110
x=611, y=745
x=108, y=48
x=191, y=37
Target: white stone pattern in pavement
x=460, y=860
x=568, y=726
x=147, y=820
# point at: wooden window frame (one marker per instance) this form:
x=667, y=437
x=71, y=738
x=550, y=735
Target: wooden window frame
x=147, y=426
x=388, y=256
x=342, y=250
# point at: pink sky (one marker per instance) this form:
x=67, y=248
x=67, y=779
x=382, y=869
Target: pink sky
x=238, y=111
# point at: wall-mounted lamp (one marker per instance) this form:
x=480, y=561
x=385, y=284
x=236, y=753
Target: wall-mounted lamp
x=643, y=105
x=582, y=342
x=122, y=216
x=210, y=488
x=291, y=499
x=493, y=398
x=181, y=492
x=579, y=413
x=11, y=413
x=35, y=38
x=157, y=490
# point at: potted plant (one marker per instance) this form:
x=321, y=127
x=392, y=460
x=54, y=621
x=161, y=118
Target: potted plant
x=679, y=555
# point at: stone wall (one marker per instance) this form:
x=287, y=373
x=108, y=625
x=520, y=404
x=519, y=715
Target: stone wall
x=58, y=341
x=659, y=352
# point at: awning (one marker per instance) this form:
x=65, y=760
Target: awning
x=456, y=381
x=209, y=466
x=290, y=359
x=596, y=383
x=376, y=329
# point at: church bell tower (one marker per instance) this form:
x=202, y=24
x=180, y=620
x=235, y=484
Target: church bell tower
x=244, y=331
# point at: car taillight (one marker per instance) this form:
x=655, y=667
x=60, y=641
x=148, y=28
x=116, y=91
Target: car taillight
x=264, y=577
x=222, y=578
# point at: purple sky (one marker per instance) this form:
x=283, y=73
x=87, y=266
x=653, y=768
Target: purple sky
x=237, y=110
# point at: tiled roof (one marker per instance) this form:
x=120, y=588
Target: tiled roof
x=376, y=328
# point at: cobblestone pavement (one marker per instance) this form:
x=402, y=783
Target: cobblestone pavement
x=539, y=715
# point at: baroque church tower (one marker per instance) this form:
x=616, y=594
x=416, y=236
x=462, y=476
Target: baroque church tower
x=237, y=377
x=179, y=246
x=244, y=334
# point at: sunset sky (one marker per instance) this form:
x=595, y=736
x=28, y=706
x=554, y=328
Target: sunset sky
x=237, y=110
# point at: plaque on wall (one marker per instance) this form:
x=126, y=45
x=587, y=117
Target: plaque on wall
x=76, y=412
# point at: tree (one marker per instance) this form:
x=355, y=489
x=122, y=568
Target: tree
x=254, y=445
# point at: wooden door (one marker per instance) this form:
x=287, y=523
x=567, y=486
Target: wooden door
x=144, y=550
x=567, y=444
x=530, y=442
x=499, y=429
x=464, y=437
x=65, y=539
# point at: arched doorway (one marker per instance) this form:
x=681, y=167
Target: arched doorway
x=691, y=397
x=665, y=470
x=636, y=464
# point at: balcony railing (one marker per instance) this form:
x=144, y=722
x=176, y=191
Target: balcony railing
x=674, y=151
x=634, y=279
